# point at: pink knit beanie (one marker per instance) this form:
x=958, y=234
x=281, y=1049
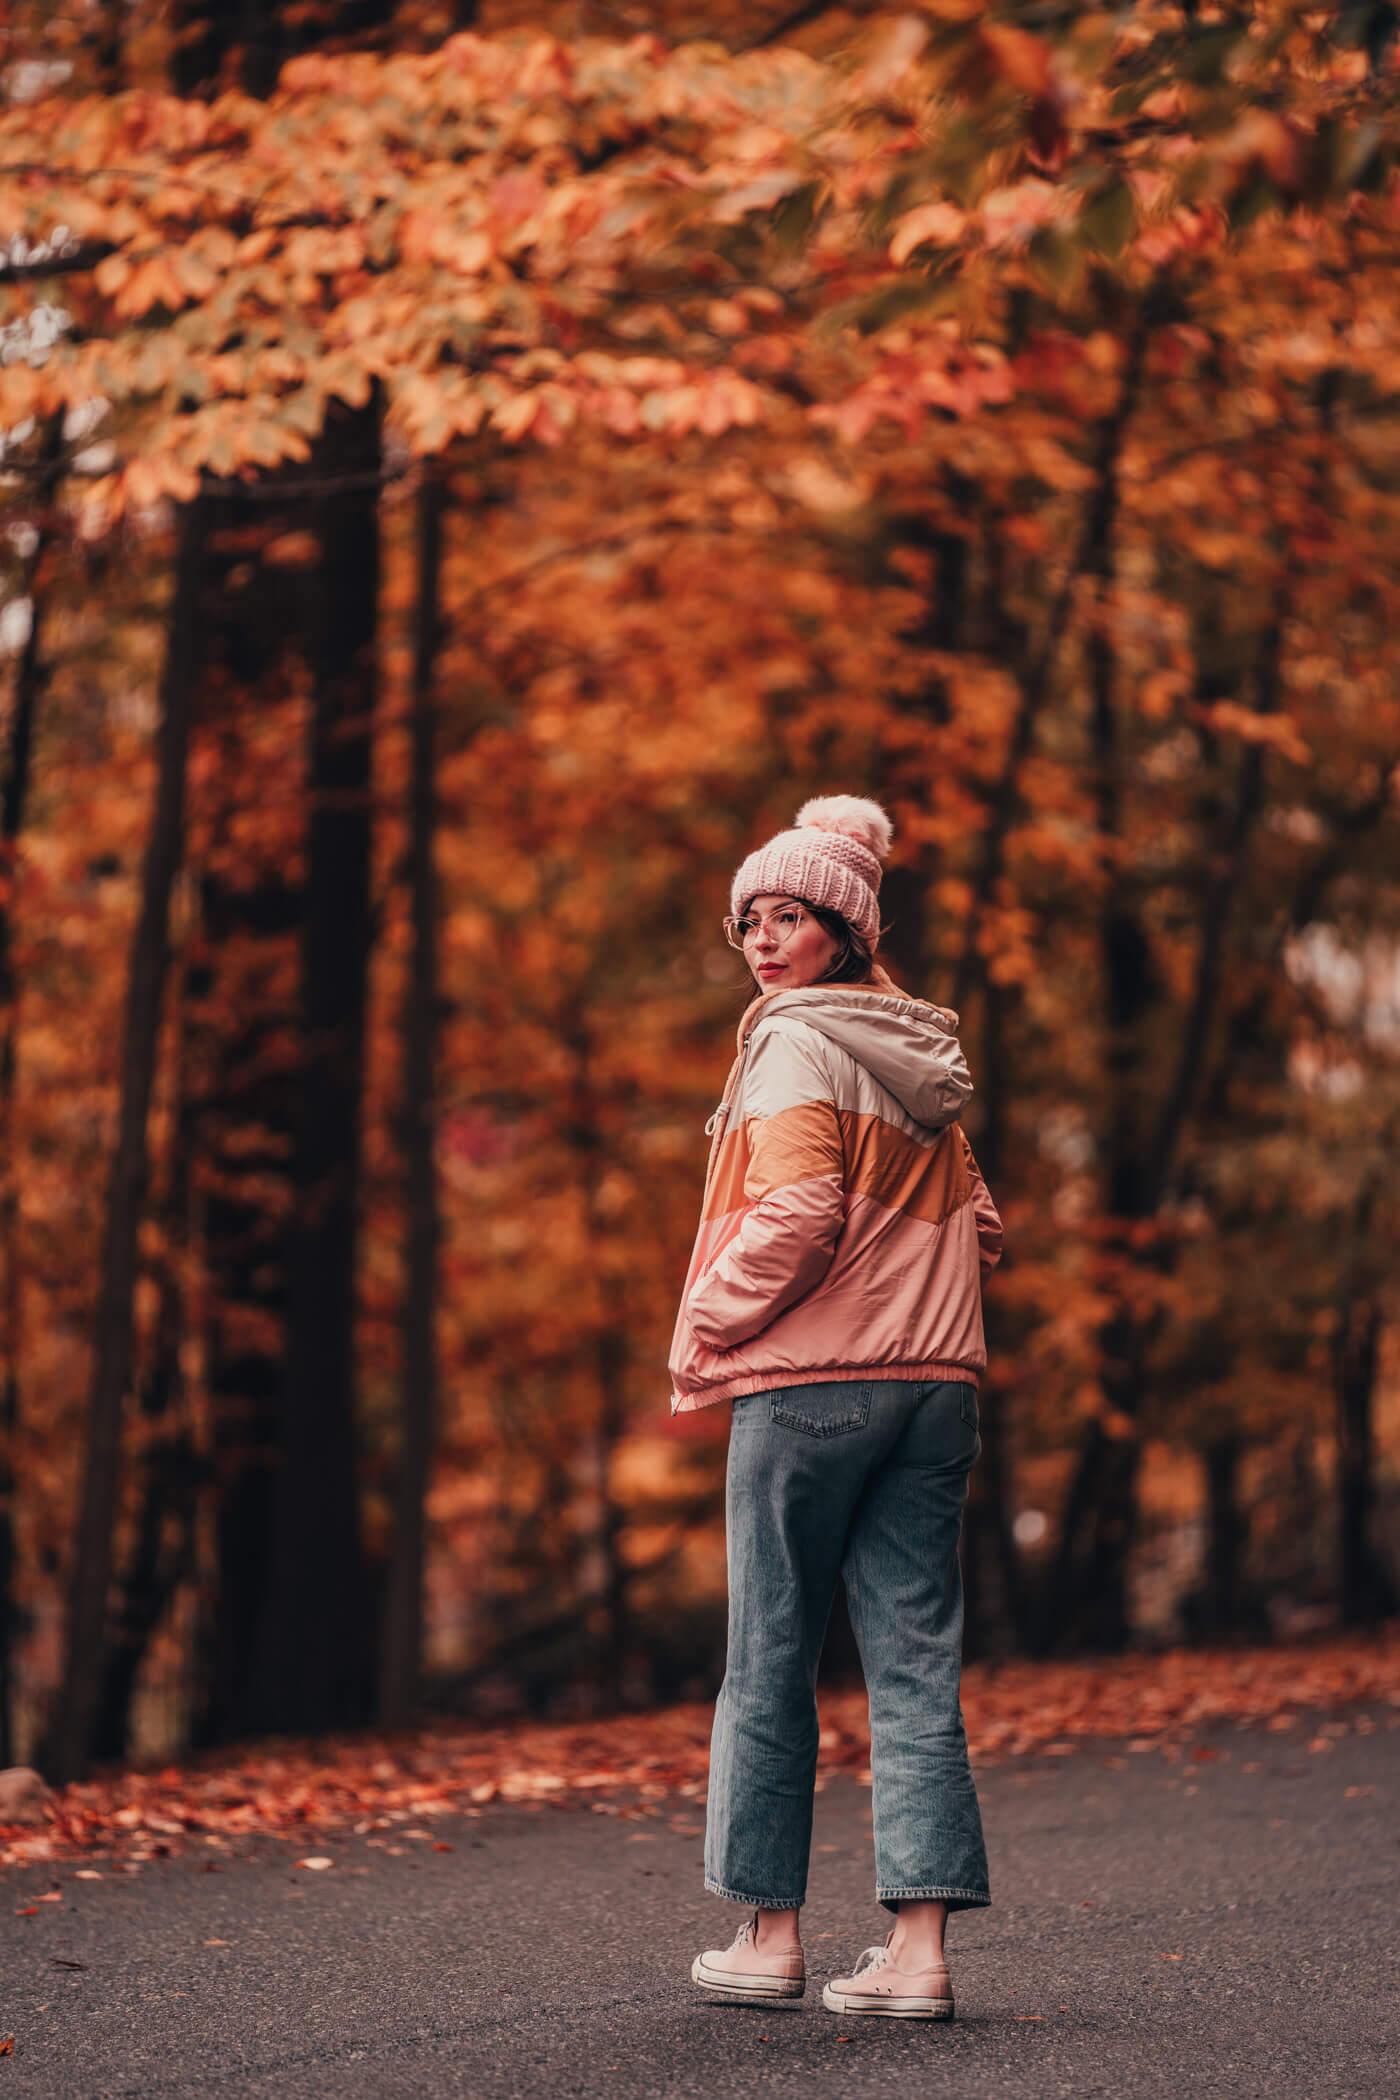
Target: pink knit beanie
x=831, y=858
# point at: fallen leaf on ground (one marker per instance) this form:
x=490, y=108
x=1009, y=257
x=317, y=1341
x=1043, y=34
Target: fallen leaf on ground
x=7, y=2045
x=1013, y=1710
x=32, y=1912
x=316, y=1865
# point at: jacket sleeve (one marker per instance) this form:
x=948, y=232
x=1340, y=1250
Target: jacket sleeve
x=795, y=1190
x=989, y=1230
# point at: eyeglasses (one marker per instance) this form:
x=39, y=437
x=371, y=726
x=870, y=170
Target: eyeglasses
x=779, y=925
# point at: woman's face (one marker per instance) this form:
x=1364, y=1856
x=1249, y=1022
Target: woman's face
x=787, y=946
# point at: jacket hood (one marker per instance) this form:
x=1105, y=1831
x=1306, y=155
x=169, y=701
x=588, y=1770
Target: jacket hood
x=910, y=1046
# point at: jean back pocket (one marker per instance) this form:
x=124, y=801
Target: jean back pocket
x=823, y=1410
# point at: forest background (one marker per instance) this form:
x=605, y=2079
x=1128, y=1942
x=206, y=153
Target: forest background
x=468, y=474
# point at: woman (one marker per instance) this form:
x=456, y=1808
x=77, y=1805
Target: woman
x=834, y=1296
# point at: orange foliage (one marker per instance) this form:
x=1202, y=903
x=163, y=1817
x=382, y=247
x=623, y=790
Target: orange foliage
x=398, y=1786
x=1000, y=423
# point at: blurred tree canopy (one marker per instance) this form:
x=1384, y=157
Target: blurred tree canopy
x=470, y=472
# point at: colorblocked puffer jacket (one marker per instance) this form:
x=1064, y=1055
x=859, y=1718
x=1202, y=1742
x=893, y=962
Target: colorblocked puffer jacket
x=846, y=1229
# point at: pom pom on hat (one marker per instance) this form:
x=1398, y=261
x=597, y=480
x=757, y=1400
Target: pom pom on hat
x=831, y=857
x=850, y=817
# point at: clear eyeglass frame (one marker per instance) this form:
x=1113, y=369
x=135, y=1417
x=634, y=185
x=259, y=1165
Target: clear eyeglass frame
x=788, y=920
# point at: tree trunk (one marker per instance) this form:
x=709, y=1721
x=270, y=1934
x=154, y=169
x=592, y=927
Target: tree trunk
x=259, y=34
x=109, y=46
x=938, y=626
x=612, y=1421
x=1090, y=1595
x=242, y=1124
x=1366, y=1592
x=264, y=36
x=263, y=1275
x=244, y=1128
x=402, y=1643
x=203, y=32
x=1096, y=534
x=210, y=31
x=1226, y=1535
x=1094, y=1600
x=998, y=1548
x=69, y=1744
x=164, y=1553
x=992, y=1559
x=607, y=1576
x=163, y=1557
x=24, y=706
x=315, y=1660
x=1091, y=556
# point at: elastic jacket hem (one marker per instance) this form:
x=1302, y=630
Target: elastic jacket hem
x=820, y=1374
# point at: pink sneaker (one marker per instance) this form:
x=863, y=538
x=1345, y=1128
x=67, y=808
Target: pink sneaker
x=879, y=1986
x=745, y=1973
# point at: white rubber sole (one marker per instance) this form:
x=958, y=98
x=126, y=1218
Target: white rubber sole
x=903, y=2007
x=745, y=1986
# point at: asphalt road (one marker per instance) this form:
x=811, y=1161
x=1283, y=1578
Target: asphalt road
x=1225, y=1925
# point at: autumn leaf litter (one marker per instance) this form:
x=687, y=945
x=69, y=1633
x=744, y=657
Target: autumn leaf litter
x=390, y=1790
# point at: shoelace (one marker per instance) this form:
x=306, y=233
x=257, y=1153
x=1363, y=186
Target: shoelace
x=873, y=1958
x=880, y=1958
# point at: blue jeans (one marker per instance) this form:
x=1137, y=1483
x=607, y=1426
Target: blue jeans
x=865, y=1481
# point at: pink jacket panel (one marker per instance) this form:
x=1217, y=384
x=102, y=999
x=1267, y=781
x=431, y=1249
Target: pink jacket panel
x=841, y=1236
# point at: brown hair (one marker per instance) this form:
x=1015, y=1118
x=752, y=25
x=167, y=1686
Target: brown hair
x=853, y=962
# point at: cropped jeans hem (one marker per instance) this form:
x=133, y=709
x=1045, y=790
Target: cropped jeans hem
x=956, y=1899
x=717, y=1888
